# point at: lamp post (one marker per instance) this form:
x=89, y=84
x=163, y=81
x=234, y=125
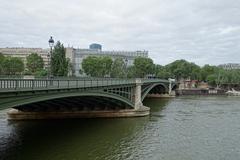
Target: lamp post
x=51, y=43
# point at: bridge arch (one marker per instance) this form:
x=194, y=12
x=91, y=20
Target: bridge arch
x=174, y=87
x=77, y=98
x=163, y=86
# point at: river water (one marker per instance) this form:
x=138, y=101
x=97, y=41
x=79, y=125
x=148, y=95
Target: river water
x=184, y=128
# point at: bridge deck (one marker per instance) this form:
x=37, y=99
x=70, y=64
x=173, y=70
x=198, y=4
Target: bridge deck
x=15, y=85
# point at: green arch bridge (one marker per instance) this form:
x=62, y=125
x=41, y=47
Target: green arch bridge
x=85, y=97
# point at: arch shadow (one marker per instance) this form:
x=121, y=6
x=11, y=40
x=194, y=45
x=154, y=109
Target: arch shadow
x=155, y=88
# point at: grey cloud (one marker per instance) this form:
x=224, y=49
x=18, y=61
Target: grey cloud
x=199, y=31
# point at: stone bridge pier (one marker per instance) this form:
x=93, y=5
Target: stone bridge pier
x=139, y=108
x=171, y=90
x=137, y=95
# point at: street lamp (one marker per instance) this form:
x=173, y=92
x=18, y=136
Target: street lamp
x=51, y=43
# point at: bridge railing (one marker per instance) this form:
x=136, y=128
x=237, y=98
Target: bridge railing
x=9, y=84
x=35, y=84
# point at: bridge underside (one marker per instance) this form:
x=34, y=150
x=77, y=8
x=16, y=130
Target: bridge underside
x=76, y=107
x=78, y=103
x=160, y=89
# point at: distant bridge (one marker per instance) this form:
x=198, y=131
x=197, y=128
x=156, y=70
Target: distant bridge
x=113, y=97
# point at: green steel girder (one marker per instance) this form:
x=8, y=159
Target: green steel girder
x=16, y=101
x=74, y=103
x=146, y=91
x=123, y=92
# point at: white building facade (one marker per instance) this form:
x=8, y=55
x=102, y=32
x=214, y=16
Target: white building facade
x=24, y=52
x=230, y=66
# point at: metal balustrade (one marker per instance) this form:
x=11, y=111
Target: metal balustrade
x=18, y=84
x=35, y=84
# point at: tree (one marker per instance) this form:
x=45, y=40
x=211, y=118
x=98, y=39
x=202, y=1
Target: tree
x=194, y=71
x=211, y=79
x=227, y=77
x=163, y=73
x=91, y=66
x=131, y=72
x=208, y=70
x=183, y=69
x=178, y=69
x=1, y=62
x=143, y=66
x=235, y=76
x=34, y=62
x=59, y=63
x=97, y=66
x=118, y=68
x=41, y=73
x=106, y=65
x=157, y=68
x=12, y=65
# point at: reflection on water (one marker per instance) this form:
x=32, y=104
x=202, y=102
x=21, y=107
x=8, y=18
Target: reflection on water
x=180, y=128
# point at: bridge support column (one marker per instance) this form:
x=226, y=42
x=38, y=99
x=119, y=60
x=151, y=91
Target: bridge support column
x=137, y=95
x=170, y=92
x=170, y=87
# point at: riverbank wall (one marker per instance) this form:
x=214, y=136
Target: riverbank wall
x=15, y=114
x=197, y=91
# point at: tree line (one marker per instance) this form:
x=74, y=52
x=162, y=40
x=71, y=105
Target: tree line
x=144, y=67
x=182, y=69
x=105, y=66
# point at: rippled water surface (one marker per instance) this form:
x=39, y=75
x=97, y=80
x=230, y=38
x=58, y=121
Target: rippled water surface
x=184, y=128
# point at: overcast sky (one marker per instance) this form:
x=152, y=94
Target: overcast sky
x=200, y=31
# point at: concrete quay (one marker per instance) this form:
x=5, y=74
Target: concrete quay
x=15, y=114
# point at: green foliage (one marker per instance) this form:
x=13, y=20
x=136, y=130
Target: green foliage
x=27, y=72
x=41, y=73
x=208, y=70
x=1, y=62
x=179, y=69
x=12, y=65
x=118, y=68
x=143, y=66
x=234, y=76
x=163, y=73
x=221, y=76
x=90, y=66
x=212, y=79
x=195, y=72
x=105, y=66
x=34, y=62
x=97, y=66
x=59, y=63
x=157, y=68
x=183, y=69
x=131, y=72
x=80, y=71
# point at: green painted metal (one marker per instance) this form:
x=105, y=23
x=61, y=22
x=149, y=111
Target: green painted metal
x=16, y=101
x=36, y=84
x=144, y=94
x=15, y=92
